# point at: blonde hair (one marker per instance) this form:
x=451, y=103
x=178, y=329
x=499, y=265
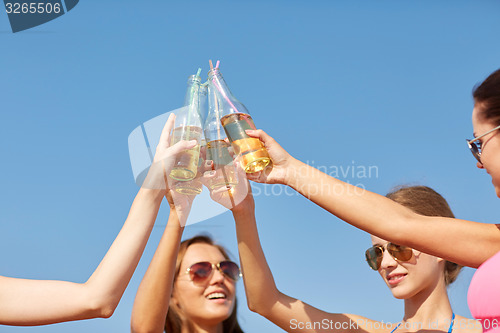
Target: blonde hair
x=424, y=200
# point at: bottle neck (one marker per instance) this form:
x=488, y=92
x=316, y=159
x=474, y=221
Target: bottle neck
x=192, y=92
x=229, y=103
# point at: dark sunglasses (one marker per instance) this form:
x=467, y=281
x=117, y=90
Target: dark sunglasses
x=200, y=272
x=475, y=144
x=375, y=254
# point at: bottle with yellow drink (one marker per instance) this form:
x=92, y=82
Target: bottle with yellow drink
x=188, y=127
x=235, y=119
x=223, y=172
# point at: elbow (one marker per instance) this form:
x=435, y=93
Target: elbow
x=106, y=311
x=253, y=307
x=138, y=326
x=102, y=308
x=262, y=307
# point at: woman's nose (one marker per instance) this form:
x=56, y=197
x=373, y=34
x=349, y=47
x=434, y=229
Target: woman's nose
x=217, y=277
x=388, y=260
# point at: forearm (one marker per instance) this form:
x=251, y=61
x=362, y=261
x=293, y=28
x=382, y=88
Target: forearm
x=110, y=279
x=26, y=302
x=35, y=302
x=260, y=287
x=153, y=296
x=384, y=218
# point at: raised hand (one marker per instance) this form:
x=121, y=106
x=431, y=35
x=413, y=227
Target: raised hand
x=165, y=157
x=235, y=198
x=279, y=170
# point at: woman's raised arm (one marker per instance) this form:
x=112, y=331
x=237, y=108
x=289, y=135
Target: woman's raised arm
x=378, y=215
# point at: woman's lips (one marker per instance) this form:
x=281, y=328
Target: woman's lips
x=394, y=279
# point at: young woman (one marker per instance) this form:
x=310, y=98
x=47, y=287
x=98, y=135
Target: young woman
x=418, y=278
x=479, y=243
x=35, y=302
x=186, y=288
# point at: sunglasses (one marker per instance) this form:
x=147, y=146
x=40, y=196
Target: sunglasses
x=375, y=254
x=475, y=145
x=201, y=272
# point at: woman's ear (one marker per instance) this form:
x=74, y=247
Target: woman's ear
x=174, y=301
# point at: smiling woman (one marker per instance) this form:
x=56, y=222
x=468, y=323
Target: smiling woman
x=419, y=279
x=204, y=288
x=187, y=288
x=465, y=242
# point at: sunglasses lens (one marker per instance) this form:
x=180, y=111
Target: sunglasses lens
x=402, y=253
x=374, y=257
x=230, y=269
x=475, y=148
x=200, y=271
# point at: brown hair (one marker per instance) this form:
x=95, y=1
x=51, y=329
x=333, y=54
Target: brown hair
x=487, y=97
x=176, y=320
x=424, y=200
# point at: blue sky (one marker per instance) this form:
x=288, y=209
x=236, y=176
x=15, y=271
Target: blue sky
x=385, y=84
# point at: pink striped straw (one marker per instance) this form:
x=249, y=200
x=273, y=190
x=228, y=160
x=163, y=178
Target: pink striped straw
x=216, y=83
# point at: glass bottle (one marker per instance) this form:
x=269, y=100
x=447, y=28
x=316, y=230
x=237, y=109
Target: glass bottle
x=188, y=127
x=224, y=174
x=235, y=119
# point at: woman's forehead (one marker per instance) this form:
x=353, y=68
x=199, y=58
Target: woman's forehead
x=378, y=240
x=201, y=252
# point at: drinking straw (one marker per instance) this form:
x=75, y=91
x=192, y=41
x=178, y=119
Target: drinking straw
x=219, y=150
x=216, y=104
x=219, y=88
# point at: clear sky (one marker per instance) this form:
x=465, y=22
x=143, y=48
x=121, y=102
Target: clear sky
x=343, y=85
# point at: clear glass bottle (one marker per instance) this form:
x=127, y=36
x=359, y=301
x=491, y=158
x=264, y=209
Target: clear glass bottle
x=188, y=127
x=224, y=174
x=235, y=119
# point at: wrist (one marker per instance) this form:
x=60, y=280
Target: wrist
x=155, y=195
x=174, y=220
x=239, y=212
x=292, y=172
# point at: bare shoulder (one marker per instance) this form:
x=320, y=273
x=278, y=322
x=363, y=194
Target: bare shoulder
x=466, y=325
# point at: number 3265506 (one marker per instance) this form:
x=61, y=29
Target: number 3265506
x=32, y=8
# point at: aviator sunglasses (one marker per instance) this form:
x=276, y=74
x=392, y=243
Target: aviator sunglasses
x=475, y=145
x=200, y=272
x=375, y=254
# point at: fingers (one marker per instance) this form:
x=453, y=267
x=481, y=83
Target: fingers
x=182, y=145
x=261, y=135
x=165, y=133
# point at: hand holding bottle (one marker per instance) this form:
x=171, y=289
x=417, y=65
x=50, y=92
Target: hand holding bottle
x=235, y=197
x=283, y=164
x=165, y=157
